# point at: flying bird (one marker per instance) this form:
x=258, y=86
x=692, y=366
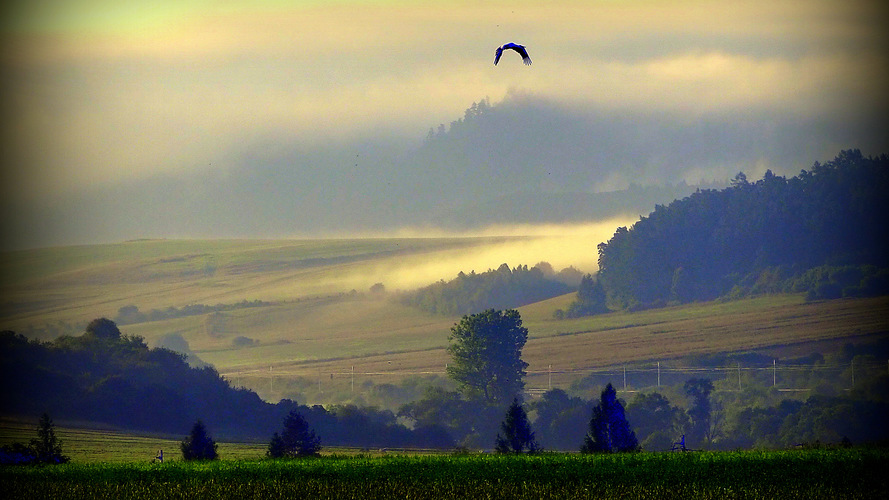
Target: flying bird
x=514, y=46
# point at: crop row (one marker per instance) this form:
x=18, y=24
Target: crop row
x=852, y=473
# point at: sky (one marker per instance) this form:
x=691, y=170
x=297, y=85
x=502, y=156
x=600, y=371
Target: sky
x=99, y=94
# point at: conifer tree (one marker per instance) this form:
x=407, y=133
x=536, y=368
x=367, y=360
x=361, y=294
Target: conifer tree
x=198, y=445
x=609, y=430
x=517, y=435
x=46, y=447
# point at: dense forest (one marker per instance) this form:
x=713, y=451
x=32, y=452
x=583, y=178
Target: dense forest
x=821, y=232
x=502, y=288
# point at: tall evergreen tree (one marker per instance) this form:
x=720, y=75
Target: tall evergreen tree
x=517, y=436
x=609, y=430
x=46, y=446
x=198, y=445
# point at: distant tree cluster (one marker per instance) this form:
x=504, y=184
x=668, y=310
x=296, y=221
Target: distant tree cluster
x=476, y=110
x=502, y=288
x=130, y=314
x=591, y=300
x=759, y=237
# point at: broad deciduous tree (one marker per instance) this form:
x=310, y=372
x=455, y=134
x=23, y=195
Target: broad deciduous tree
x=486, y=349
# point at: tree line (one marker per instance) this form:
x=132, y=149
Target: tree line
x=500, y=288
x=130, y=314
x=821, y=232
x=103, y=376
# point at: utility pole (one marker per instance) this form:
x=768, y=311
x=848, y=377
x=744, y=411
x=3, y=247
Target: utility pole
x=739, y=376
x=659, y=374
x=353, y=379
x=774, y=372
x=550, y=377
x=625, y=378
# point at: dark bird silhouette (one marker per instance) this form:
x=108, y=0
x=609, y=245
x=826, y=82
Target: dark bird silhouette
x=514, y=46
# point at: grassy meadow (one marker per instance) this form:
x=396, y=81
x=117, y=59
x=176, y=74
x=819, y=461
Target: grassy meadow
x=319, y=320
x=808, y=474
x=112, y=464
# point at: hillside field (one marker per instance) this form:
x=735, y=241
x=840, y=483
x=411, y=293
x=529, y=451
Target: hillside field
x=319, y=320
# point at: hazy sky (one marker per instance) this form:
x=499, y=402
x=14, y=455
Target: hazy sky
x=98, y=92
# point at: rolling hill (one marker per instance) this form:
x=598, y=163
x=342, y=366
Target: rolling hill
x=316, y=318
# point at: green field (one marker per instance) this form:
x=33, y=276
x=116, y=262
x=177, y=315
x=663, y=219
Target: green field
x=803, y=474
x=92, y=445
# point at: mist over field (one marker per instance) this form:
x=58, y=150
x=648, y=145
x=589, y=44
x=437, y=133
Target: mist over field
x=560, y=245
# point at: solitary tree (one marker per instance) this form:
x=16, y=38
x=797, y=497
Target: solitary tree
x=296, y=440
x=517, y=435
x=198, y=445
x=45, y=446
x=609, y=430
x=486, y=349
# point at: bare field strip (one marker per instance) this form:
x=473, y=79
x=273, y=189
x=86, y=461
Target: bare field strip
x=762, y=327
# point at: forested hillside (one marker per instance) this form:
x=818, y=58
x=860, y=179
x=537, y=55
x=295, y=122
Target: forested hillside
x=822, y=232
x=502, y=288
x=107, y=378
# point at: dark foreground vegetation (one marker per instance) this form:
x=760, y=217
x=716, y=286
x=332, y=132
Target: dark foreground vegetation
x=105, y=377
x=112, y=379
x=809, y=474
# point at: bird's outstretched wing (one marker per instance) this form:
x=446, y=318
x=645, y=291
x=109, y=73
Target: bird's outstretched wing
x=516, y=47
x=524, y=53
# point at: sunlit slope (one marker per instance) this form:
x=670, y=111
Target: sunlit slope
x=77, y=284
x=571, y=346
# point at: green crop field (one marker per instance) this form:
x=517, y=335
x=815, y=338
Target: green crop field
x=801, y=474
